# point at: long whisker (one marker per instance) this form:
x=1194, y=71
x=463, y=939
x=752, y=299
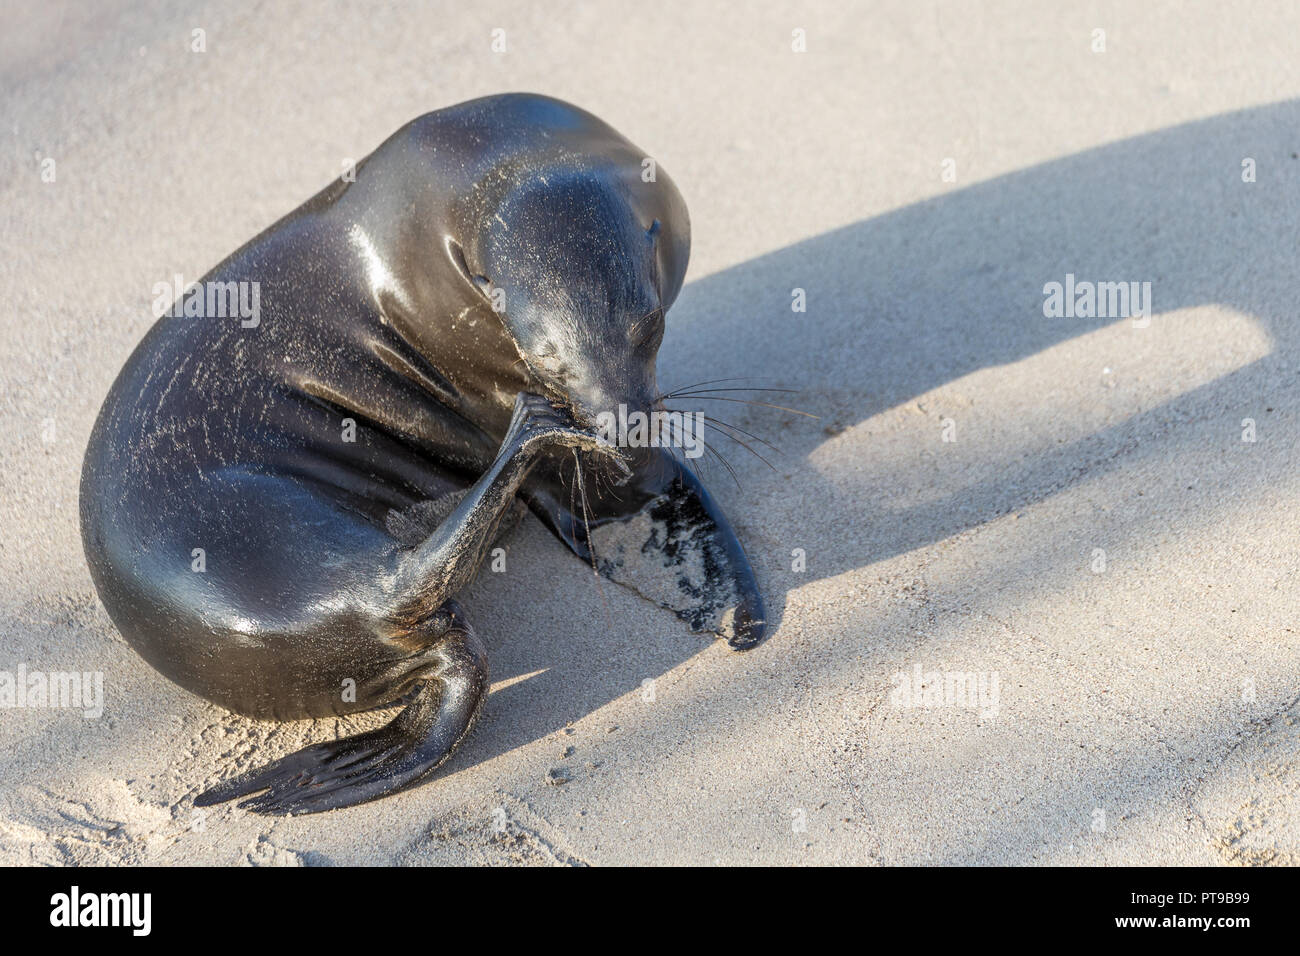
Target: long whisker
x=573, y=494
x=760, y=391
x=679, y=459
x=742, y=401
x=705, y=462
x=591, y=545
x=611, y=486
x=697, y=466
x=714, y=381
x=737, y=428
x=709, y=391
x=742, y=444
x=725, y=464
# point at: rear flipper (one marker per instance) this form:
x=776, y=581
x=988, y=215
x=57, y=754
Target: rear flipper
x=661, y=534
x=342, y=773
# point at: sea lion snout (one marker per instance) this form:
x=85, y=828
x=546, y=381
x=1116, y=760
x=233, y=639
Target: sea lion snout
x=586, y=361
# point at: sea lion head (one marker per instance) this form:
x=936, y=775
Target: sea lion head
x=573, y=273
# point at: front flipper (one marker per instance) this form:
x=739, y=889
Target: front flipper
x=343, y=773
x=662, y=535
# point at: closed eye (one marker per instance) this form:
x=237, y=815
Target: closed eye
x=649, y=329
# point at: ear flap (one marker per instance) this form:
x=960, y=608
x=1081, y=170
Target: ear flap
x=665, y=538
x=457, y=255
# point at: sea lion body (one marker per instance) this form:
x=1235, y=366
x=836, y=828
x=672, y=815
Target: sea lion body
x=269, y=504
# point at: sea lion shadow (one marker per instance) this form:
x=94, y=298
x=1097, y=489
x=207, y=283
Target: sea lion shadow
x=898, y=306
x=908, y=302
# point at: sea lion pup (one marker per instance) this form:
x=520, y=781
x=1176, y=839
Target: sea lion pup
x=279, y=508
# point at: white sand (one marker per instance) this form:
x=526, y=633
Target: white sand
x=1146, y=713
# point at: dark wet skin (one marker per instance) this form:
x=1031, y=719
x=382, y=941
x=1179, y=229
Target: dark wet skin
x=222, y=445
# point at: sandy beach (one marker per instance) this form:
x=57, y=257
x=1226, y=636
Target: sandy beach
x=1032, y=578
